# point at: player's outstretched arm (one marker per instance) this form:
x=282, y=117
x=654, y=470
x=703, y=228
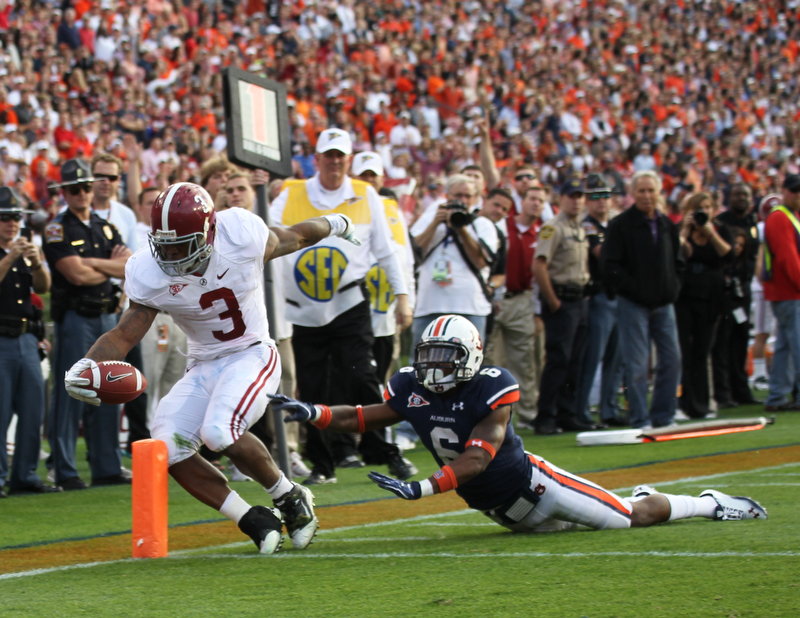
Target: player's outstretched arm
x=483, y=443
x=116, y=343
x=283, y=241
x=113, y=345
x=344, y=419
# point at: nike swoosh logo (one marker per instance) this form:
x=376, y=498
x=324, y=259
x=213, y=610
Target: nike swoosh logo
x=223, y=274
x=111, y=378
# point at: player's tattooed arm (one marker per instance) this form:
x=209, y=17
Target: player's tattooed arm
x=283, y=241
x=116, y=343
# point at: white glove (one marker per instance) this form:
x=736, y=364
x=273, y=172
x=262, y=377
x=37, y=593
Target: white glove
x=73, y=382
x=342, y=226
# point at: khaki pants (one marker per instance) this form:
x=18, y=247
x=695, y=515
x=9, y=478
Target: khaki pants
x=164, y=364
x=512, y=345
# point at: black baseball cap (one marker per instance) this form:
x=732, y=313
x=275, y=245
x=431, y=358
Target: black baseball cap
x=572, y=185
x=792, y=183
x=75, y=171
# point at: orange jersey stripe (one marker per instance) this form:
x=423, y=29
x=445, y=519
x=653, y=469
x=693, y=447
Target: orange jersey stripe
x=589, y=490
x=511, y=397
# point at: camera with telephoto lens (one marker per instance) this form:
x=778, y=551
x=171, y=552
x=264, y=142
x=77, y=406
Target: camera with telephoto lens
x=460, y=215
x=700, y=217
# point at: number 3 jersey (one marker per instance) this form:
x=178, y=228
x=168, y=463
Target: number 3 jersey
x=221, y=311
x=445, y=423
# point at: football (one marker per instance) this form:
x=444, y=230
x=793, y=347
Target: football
x=116, y=381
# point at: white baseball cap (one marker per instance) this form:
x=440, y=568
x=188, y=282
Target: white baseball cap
x=367, y=161
x=335, y=139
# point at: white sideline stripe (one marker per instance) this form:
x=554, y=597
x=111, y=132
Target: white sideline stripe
x=454, y=524
x=746, y=485
x=693, y=479
x=187, y=553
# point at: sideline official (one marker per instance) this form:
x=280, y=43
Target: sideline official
x=21, y=329
x=84, y=252
x=561, y=269
x=326, y=300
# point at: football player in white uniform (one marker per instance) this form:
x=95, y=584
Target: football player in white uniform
x=206, y=270
x=461, y=411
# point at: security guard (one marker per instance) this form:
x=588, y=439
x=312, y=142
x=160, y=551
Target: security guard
x=21, y=329
x=326, y=303
x=561, y=268
x=84, y=252
x=602, y=338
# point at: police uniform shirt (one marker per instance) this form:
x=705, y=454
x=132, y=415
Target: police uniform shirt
x=323, y=281
x=595, y=234
x=15, y=289
x=563, y=243
x=67, y=235
x=445, y=423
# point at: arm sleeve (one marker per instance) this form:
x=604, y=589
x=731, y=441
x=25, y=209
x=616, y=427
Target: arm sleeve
x=277, y=207
x=549, y=237
x=612, y=259
x=382, y=245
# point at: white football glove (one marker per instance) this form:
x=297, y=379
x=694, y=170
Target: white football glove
x=342, y=226
x=73, y=382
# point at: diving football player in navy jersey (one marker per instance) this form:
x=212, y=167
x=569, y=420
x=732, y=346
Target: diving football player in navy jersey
x=462, y=413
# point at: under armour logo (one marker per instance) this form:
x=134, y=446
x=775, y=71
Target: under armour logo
x=754, y=513
x=458, y=406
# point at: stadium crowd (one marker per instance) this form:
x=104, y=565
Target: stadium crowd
x=558, y=123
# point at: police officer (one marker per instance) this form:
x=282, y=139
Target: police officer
x=21, y=328
x=729, y=354
x=561, y=268
x=602, y=337
x=84, y=252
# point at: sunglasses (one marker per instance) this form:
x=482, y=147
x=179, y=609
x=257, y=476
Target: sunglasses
x=76, y=189
x=525, y=177
x=108, y=177
x=597, y=196
x=10, y=216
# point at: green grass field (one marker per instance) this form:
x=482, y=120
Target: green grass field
x=450, y=564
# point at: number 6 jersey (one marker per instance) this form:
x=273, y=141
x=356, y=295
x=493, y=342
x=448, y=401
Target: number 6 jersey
x=444, y=423
x=221, y=311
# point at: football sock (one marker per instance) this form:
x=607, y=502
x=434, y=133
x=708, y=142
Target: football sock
x=234, y=508
x=282, y=487
x=682, y=507
x=759, y=368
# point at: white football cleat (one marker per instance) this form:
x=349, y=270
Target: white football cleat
x=297, y=507
x=236, y=474
x=299, y=469
x=735, y=508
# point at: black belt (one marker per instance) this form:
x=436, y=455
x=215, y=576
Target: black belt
x=344, y=288
x=513, y=293
x=569, y=292
x=11, y=326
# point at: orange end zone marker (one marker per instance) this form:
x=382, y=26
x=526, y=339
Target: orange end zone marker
x=150, y=499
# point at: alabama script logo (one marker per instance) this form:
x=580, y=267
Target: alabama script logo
x=415, y=401
x=174, y=289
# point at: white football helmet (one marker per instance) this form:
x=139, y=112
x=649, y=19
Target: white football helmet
x=450, y=351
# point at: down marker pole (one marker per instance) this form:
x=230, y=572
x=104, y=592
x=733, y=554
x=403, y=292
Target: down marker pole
x=150, y=499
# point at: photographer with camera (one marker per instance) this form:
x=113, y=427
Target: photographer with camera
x=707, y=249
x=458, y=248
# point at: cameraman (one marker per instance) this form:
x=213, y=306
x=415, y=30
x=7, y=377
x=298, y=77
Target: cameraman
x=706, y=245
x=458, y=249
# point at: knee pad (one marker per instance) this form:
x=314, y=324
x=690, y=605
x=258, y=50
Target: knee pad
x=216, y=438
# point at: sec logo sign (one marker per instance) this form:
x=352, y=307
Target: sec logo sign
x=381, y=294
x=318, y=271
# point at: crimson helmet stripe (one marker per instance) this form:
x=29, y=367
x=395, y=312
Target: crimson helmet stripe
x=166, y=203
